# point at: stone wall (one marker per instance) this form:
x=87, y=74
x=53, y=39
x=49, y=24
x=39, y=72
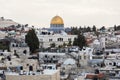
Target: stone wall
x=55, y=76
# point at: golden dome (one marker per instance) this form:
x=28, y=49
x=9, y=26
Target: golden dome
x=57, y=20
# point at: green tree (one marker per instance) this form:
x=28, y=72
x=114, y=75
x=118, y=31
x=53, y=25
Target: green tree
x=103, y=28
x=75, y=42
x=26, y=25
x=32, y=40
x=97, y=33
x=74, y=30
x=88, y=29
x=80, y=41
x=64, y=44
x=5, y=44
x=118, y=27
x=52, y=45
x=115, y=28
x=94, y=28
x=69, y=43
x=2, y=47
x=84, y=29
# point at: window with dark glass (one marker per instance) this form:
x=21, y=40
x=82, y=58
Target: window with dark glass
x=69, y=39
x=50, y=40
x=60, y=39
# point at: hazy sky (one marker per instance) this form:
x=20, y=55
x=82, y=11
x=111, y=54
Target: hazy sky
x=73, y=12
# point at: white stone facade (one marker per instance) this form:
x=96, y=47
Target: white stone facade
x=58, y=39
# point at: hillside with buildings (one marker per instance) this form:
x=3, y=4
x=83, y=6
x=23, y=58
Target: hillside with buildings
x=7, y=22
x=59, y=56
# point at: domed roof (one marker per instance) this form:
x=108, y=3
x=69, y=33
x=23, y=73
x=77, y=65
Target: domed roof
x=57, y=20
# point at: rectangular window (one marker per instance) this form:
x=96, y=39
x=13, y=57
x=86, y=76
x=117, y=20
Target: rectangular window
x=110, y=63
x=84, y=57
x=69, y=39
x=97, y=57
x=41, y=39
x=60, y=39
x=79, y=57
x=50, y=40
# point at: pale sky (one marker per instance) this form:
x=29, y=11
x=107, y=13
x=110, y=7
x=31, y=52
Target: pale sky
x=73, y=12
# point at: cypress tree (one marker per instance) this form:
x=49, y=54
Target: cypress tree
x=32, y=40
x=94, y=28
x=80, y=41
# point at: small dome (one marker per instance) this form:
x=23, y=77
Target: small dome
x=57, y=20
